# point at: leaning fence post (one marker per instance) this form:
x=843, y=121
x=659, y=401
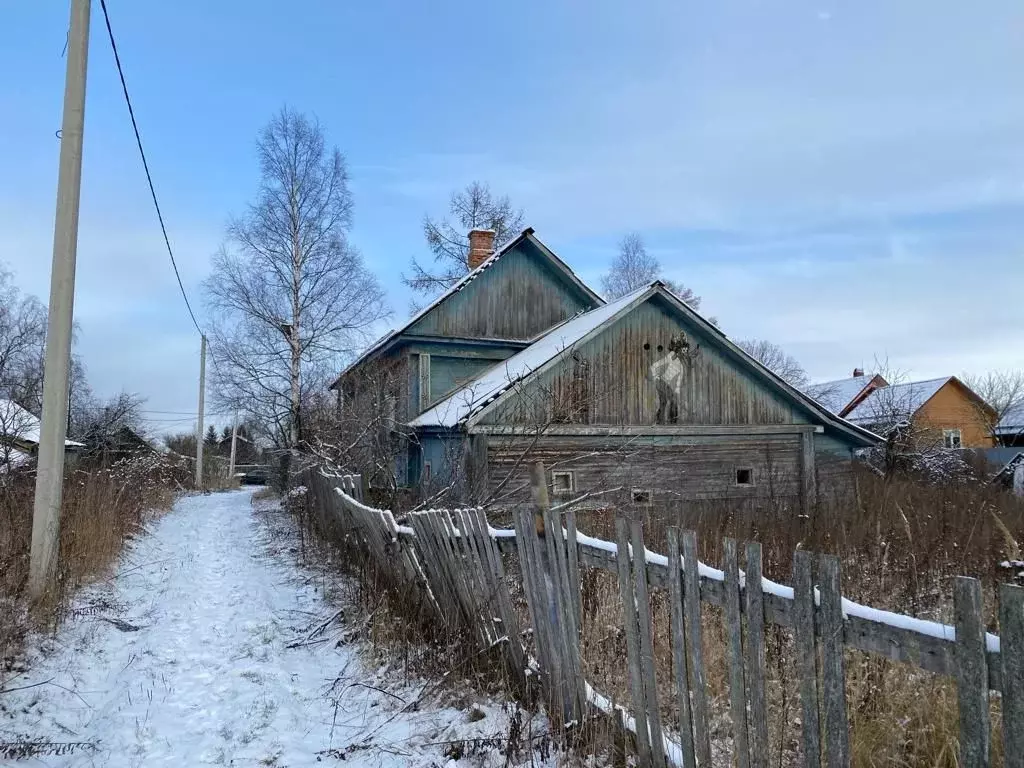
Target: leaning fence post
x=1011, y=655
x=837, y=733
x=755, y=651
x=734, y=630
x=806, y=655
x=971, y=674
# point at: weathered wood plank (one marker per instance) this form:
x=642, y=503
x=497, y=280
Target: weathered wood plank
x=755, y=652
x=675, y=592
x=509, y=619
x=633, y=658
x=806, y=656
x=530, y=589
x=808, y=473
x=695, y=651
x=1011, y=638
x=837, y=731
x=574, y=694
x=575, y=430
x=643, y=609
x=572, y=551
x=734, y=633
x=972, y=677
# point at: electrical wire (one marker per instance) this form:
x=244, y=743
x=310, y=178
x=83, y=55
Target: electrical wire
x=145, y=165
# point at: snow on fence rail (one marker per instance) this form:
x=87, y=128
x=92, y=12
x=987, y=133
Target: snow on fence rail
x=452, y=558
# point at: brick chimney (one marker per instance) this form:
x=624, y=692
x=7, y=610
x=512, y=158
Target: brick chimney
x=481, y=246
x=858, y=372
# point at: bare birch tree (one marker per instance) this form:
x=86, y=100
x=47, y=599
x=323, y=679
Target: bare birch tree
x=634, y=268
x=289, y=297
x=473, y=207
x=776, y=359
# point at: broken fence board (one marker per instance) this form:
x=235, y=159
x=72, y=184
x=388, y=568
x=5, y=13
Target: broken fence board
x=734, y=635
x=806, y=656
x=675, y=592
x=633, y=660
x=833, y=673
x=643, y=608
x=756, y=664
x=972, y=676
x=1011, y=636
x=695, y=651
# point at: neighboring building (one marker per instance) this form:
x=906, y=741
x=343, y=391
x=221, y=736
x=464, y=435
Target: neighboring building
x=944, y=412
x=19, y=434
x=841, y=395
x=1010, y=429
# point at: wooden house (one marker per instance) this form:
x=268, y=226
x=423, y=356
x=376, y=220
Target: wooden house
x=943, y=412
x=522, y=361
x=644, y=395
x=506, y=300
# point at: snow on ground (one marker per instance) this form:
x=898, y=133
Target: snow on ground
x=182, y=658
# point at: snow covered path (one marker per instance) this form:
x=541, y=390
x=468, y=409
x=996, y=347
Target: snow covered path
x=182, y=659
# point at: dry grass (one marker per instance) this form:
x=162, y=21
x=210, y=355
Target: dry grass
x=102, y=509
x=901, y=542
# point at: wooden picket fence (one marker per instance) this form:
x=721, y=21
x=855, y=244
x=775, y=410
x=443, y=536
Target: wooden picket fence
x=453, y=560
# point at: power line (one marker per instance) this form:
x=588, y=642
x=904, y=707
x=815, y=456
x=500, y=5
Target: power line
x=145, y=165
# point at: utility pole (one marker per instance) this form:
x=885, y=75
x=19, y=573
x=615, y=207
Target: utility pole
x=234, y=444
x=199, y=420
x=53, y=429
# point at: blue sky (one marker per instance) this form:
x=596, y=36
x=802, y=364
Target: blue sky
x=844, y=179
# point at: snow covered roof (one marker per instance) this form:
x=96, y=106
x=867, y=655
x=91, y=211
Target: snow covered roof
x=464, y=402
x=836, y=395
x=1012, y=422
x=459, y=286
x=897, y=401
x=16, y=423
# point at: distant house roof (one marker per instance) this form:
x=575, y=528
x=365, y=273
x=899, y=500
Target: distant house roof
x=1012, y=422
x=20, y=425
x=836, y=395
x=526, y=234
x=896, y=402
x=472, y=398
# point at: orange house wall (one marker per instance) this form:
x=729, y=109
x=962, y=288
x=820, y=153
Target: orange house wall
x=952, y=408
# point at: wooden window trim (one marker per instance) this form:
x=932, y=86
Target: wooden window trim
x=750, y=477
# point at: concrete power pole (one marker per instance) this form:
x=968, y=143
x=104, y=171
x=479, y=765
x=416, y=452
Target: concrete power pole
x=234, y=445
x=53, y=430
x=199, y=420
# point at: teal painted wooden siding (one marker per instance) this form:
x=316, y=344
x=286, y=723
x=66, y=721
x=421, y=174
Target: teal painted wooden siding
x=448, y=373
x=628, y=374
x=518, y=297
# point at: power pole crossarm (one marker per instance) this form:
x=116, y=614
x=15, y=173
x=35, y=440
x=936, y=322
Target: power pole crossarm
x=53, y=430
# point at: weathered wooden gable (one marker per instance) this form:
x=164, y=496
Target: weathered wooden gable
x=651, y=366
x=518, y=296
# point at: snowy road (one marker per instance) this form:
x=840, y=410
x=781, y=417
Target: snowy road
x=182, y=659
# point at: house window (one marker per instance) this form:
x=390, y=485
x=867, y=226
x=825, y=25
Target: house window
x=641, y=496
x=951, y=438
x=563, y=482
x=425, y=476
x=744, y=476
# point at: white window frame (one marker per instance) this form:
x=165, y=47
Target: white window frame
x=947, y=434
x=736, y=477
x=635, y=492
x=555, y=476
